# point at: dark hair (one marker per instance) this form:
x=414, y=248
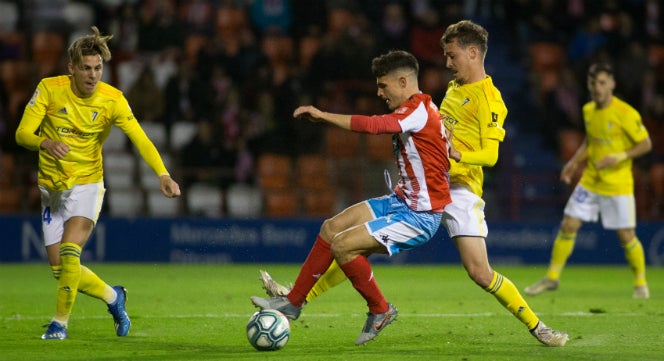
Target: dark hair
x=467, y=33
x=92, y=44
x=393, y=60
x=597, y=68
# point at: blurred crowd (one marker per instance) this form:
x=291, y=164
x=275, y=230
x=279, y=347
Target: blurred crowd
x=215, y=83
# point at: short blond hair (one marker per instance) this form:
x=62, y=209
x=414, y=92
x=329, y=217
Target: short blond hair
x=93, y=44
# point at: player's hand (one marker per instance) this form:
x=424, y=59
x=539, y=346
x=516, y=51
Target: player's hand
x=610, y=160
x=452, y=153
x=57, y=150
x=309, y=113
x=567, y=174
x=169, y=187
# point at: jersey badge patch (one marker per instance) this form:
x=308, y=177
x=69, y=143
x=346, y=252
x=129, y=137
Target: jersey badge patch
x=35, y=95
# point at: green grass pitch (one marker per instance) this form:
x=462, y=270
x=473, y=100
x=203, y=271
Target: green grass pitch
x=199, y=312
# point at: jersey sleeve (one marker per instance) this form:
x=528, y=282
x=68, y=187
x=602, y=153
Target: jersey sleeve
x=377, y=124
x=634, y=127
x=491, y=116
x=34, y=113
x=126, y=121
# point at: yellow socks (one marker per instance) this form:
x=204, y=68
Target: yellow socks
x=90, y=284
x=93, y=286
x=70, y=276
x=508, y=296
x=637, y=262
x=332, y=277
x=562, y=249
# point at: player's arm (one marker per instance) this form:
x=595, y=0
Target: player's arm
x=490, y=117
x=26, y=133
x=637, y=150
x=151, y=156
x=486, y=156
x=146, y=149
x=358, y=123
x=578, y=158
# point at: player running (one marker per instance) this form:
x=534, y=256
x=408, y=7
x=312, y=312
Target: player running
x=74, y=114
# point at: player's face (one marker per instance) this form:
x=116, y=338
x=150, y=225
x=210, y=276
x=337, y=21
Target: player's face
x=601, y=88
x=390, y=89
x=458, y=59
x=86, y=75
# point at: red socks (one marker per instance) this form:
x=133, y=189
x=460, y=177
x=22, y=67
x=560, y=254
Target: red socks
x=359, y=272
x=318, y=261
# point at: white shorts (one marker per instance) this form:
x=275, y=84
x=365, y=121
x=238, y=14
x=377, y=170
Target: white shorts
x=83, y=200
x=617, y=212
x=465, y=215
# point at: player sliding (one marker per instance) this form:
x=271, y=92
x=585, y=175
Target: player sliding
x=404, y=219
x=474, y=108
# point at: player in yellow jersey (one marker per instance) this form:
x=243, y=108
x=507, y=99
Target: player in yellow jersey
x=614, y=136
x=473, y=108
x=67, y=121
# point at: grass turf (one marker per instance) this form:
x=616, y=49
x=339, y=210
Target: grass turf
x=199, y=312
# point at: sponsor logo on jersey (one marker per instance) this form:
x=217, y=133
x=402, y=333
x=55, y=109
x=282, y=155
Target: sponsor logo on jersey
x=449, y=121
x=494, y=120
x=69, y=132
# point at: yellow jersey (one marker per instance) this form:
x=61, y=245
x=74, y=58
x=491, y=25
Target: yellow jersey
x=613, y=129
x=476, y=112
x=56, y=113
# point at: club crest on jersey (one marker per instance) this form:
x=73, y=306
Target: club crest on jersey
x=35, y=95
x=94, y=115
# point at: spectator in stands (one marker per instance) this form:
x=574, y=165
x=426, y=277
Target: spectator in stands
x=146, y=98
x=208, y=158
x=160, y=28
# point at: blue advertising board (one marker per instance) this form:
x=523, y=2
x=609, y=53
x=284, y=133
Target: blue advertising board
x=224, y=240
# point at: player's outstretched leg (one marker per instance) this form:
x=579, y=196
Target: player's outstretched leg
x=117, y=309
x=272, y=287
x=376, y=323
x=549, y=336
x=545, y=284
x=279, y=303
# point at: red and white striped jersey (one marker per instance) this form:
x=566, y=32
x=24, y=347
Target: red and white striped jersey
x=420, y=149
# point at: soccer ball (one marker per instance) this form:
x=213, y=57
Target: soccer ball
x=268, y=330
